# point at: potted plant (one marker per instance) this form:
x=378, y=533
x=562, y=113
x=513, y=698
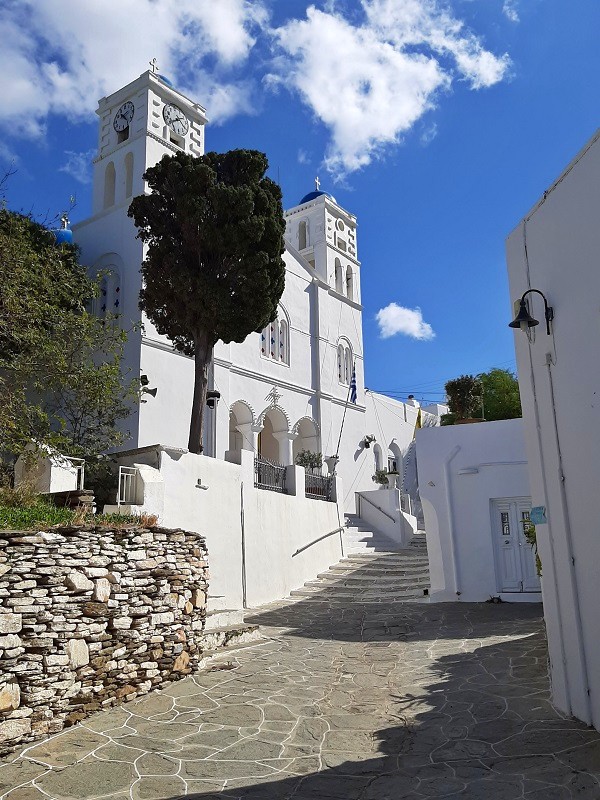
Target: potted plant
x=381, y=477
x=309, y=460
x=464, y=400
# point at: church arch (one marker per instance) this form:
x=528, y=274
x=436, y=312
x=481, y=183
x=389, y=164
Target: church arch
x=110, y=183
x=274, y=436
x=307, y=436
x=129, y=174
x=241, y=417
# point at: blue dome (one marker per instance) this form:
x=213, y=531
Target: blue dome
x=63, y=236
x=313, y=196
x=164, y=79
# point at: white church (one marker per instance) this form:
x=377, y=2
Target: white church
x=281, y=391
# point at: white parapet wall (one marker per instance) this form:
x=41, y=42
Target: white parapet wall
x=381, y=508
x=261, y=543
x=463, y=471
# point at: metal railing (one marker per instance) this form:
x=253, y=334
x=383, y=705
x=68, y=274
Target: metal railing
x=318, y=486
x=127, y=494
x=269, y=475
x=385, y=513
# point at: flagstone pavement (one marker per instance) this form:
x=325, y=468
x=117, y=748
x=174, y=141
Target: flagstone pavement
x=341, y=700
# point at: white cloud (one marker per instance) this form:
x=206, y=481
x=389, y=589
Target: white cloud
x=78, y=165
x=394, y=319
x=303, y=157
x=510, y=10
x=60, y=57
x=369, y=83
x=429, y=134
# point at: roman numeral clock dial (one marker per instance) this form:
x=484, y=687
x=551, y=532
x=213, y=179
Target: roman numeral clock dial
x=176, y=119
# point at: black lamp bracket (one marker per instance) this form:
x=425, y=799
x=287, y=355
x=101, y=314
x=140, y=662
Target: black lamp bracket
x=548, y=310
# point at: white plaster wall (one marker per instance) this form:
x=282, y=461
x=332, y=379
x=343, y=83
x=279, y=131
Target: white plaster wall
x=208, y=496
x=560, y=387
x=457, y=507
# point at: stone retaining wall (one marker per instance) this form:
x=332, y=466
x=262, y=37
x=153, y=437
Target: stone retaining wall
x=89, y=616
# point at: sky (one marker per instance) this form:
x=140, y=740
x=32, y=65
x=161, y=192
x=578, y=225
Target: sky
x=438, y=124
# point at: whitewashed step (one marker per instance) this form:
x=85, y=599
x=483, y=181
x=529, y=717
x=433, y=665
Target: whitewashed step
x=363, y=596
x=223, y=619
x=229, y=635
x=365, y=573
x=362, y=583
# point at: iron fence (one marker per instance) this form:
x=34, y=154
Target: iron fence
x=269, y=475
x=318, y=486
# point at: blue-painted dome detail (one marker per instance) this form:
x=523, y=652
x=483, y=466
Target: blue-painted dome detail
x=313, y=196
x=166, y=80
x=63, y=235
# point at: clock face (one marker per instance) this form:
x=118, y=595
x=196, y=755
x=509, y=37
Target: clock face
x=123, y=117
x=176, y=119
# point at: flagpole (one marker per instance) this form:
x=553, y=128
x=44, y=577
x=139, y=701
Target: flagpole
x=337, y=452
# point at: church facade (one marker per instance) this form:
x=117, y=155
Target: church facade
x=281, y=391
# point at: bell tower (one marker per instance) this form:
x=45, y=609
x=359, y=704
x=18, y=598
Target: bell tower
x=138, y=125
x=324, y=234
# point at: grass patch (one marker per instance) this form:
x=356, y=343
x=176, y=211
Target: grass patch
x=39, y=514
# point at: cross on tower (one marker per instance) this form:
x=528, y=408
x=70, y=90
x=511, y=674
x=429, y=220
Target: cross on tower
x=154, y=65
x=317, y=183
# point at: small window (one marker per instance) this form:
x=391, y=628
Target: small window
x=123, y=135
x=349, y=283
x=339, y=225
x=344, y=361
x=338, y=277
x=302, y=236
x=275, y=340
x=176, y=141
x=110, y=180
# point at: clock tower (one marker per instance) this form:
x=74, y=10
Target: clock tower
x=138, y=125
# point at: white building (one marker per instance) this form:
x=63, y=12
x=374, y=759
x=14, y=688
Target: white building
x=474, y=489
x=555, y=250
x=282, y=391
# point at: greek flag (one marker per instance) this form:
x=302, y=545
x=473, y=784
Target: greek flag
x=353, y=385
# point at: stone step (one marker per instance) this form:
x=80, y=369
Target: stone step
x=362, y=597
x=309, y=590
x=370, y=580
x=391, y=561
x=223, y=618
x=229, y=635
x=367, y=585
x=374, y=574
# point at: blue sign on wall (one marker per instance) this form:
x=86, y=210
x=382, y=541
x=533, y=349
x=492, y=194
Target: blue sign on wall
x=538, y=515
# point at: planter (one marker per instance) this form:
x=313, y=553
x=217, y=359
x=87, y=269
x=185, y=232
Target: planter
x=468, y=421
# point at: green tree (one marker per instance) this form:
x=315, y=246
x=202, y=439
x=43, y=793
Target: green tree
x=60, y=366
x=214, y=230
x=501, y=399
x=464, y=399
x=495, y=393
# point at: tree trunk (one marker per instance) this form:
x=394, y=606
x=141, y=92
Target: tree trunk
x=202, y=356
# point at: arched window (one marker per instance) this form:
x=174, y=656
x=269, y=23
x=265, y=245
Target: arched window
x=349, y=283
x=110, y=180
x=109, y=299
x=302, y=235
x=344, y=362
x=284, y=344
x=275, y=339
x=339, y=281
x=128, y=174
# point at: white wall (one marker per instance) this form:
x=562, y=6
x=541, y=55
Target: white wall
x=457, y=507
x=560, y=387
x=209, y=495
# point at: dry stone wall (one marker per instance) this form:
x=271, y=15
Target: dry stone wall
x=90, y=616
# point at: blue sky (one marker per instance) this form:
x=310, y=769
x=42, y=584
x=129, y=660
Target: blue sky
x=437, y=124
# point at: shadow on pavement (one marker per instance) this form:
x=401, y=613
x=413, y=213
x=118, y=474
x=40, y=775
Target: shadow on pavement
x=482, y=728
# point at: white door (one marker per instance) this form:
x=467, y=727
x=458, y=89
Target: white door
x=515, y=557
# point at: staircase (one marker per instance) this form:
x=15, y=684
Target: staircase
x=371, y=575
x=360, y=537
